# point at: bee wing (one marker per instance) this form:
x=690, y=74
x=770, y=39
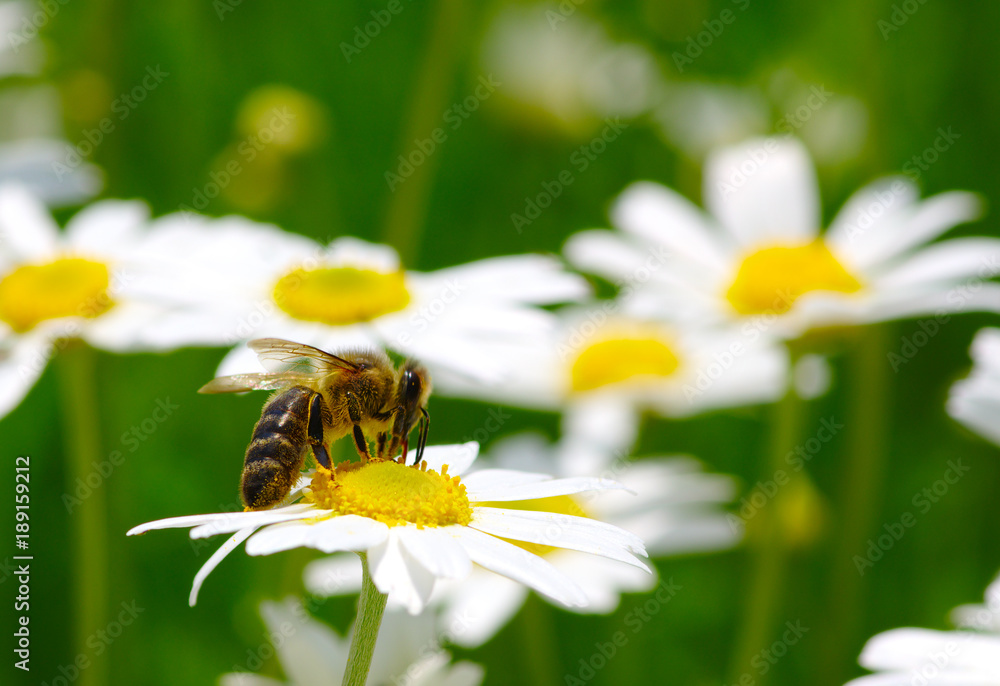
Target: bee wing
x=241, y=383
x=279, y=355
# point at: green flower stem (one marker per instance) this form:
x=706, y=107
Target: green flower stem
x=371, y=607
x=769, y=552
x=88, y=521
x=537, y=637
x=860, y=493
x=432, y=85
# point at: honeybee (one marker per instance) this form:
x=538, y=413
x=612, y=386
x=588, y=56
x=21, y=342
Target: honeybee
x=323, y=397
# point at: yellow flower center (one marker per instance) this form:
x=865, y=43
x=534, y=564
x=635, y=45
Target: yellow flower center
x=613, y=361
x=560, y=504
x=66, y=287
x=392, y=493
x=341, y=295
x=772, y=279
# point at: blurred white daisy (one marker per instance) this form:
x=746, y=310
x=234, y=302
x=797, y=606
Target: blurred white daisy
x=420, y=524
x=981, y=617
x=310, y=652
x=250, y=280
x=21, y=50
x=975, y=401
x=561, y=67
x=607, y=362
x=698, y=117
x=902, y=657
x=758, y=261
x=675, y=509
x=35, y=164
x=79, y=283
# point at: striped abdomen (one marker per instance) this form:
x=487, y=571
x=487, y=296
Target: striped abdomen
x=277, y=449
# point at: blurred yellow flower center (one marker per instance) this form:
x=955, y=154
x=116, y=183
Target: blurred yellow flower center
x=613, y=361
x=560, y=504
x=67, y=287
x=392, y=493
x=342, y=295
x=772, y=279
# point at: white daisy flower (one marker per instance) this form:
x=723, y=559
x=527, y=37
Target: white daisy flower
x=79, y=283
x=312, y=653
x=758, y=260
x=675, y=508
x=698, y=117
x=975, y=401
x=420, y=524
x=984, y=617
x=250, y=280
x=21, y=51
x=939, y=658
x=605, y=363
x=565, y=69
x=33, y=164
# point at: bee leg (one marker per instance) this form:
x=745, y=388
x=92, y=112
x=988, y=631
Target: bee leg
x=315, y=432
x=380, y=445
x=361, y=444
x=425, y=425
x=354, y=412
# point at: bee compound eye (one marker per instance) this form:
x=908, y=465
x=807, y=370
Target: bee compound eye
x=414, y=386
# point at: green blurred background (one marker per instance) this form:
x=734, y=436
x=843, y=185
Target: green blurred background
x=937, y=70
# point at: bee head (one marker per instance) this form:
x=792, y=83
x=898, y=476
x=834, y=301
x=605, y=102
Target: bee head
x=412, y=393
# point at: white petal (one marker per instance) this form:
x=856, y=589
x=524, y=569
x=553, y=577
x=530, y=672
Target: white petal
x=347, y=532
x=979, y=414
x=459, y=674
x=107, y=228
x=478, y=607
x=348, y=251
x=396, y=573
x=609, y=254
x=334, y=575
x=544, y=489
x=242, y=520
x=229, y=546
x=871, y=217
x=960, y=258
x=27, y=231
x=561, y=531
x=459, y=457
x=602, y=579
x=33, y=163
x=972, y=296
x=603, y=420
x=404, y=641
x=665, y=218
x=913, y=225
x=20, y=367
x=941, y=679
x=520, y=565
x=308, y=650
x=223, y=518
x=905, y=649
x=764, y=191
x=438, y=552
x=534, y=279
x=692, y=530
x=495, y=479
